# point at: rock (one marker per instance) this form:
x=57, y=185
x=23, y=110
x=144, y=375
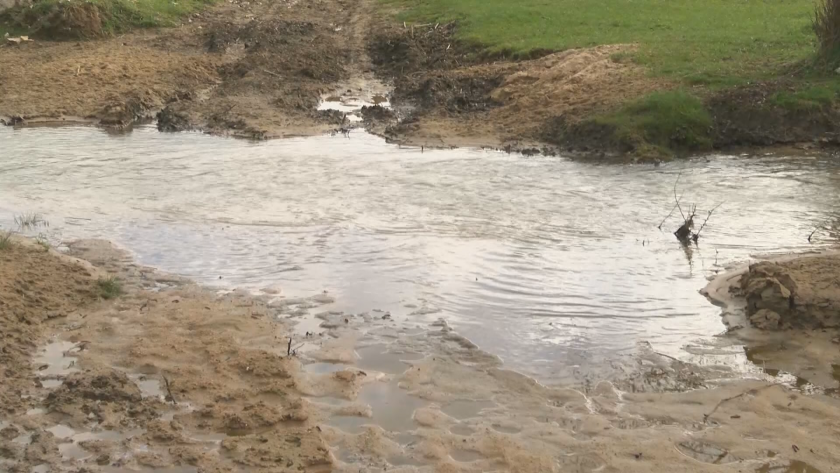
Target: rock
x=766, y=319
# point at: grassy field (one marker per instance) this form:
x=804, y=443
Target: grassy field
x=115, y=16
x=700, y=47
x=713, y=42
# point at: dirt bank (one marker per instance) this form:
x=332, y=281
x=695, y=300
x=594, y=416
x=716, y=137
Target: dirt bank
x=260, y=70
x=786, y=311
x=169, y=374
x=251, y=69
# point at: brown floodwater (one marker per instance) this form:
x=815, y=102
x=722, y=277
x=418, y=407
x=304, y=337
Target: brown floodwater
x=556, y=266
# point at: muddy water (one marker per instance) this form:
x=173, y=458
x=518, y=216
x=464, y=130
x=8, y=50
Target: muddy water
x=556, y=266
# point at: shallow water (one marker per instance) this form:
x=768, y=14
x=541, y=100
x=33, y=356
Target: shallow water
x=556, y=266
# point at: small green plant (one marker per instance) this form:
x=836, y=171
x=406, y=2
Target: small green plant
x=30, y=221
x=5, y=240
x=109, y=287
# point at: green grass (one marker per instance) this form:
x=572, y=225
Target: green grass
x=660, y=122
x=710, y=42
x=811, y=97
x=109, y=287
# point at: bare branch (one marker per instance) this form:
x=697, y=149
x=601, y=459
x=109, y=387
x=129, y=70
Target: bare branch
x=675, y=195
x=697, y=235
x=671, y=212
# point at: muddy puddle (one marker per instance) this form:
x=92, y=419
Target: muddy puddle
x=555, y=266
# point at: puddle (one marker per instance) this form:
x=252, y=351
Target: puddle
x=465, y=456
x=73, y=451
x=42, y=468
x=328, y=400
x=461, y=429
x=61, y=431
x=393, y=409
x=466, y=409
x=323, y=368
x=505, y=429
x=795, y=466
x=35, y=412
x=149, y=387
x=705, y=452
x=51, y=364
x=376, y=358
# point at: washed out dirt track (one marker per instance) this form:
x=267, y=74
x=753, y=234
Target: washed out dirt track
x=259, y=70
x=252, y=69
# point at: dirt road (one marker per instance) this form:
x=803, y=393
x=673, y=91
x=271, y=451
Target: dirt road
x=252, y=69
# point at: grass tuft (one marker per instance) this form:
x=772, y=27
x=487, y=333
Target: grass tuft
x=814, y=97
x=5, y=240
x=109, y=287
x=30, y=221
x=661, y=122
x=826, y=25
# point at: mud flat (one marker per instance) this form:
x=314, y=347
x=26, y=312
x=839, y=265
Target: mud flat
x=785, y=309
x=169, y=376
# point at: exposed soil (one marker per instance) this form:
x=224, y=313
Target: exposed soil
x=787, y=311
x=251, y=69
x=260, y=70
x=171, y=375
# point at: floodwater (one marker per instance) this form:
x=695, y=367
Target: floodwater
x=556, y=266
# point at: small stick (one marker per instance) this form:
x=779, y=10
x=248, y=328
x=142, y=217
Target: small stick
x=812, y=234
x=697, y=235
x=169, y=390
x=289, y=348
x=675, y=196
x=749, y=391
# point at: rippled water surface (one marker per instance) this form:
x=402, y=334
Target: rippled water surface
x=553, y=265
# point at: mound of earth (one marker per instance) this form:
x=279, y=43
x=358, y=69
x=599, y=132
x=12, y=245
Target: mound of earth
x=802, y=293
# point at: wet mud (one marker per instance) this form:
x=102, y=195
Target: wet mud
x=173, y=377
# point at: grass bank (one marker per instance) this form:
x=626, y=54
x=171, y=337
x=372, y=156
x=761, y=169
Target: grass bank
x=697, y=49
x=74, y=19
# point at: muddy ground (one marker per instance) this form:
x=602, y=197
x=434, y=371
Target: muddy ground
x=260, y=69
x=172, y=375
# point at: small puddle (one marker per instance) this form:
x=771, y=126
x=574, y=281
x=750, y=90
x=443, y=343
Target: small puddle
x=466, y=409
x=61, y=431
x=52, y=365
x=460, y=429
x=393, y=409
x=323, y=368
x=704, y=452
x=506, y=429
x=795, y=466
x=377, y=358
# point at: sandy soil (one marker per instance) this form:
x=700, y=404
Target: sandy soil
x=173, y=375
x=787, y=311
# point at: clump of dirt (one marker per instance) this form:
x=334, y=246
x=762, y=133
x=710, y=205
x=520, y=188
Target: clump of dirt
x=59, y=21
x=802, y=293
x=748, y=116
x=36, y=289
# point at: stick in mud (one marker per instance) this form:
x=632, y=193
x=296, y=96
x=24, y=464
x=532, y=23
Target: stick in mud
x=169, y=390
x=289, y=348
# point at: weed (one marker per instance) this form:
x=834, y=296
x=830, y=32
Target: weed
x=661, y=121
x=826, y=25
x=30, y=221
x=5, y=240
x=109, y=287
